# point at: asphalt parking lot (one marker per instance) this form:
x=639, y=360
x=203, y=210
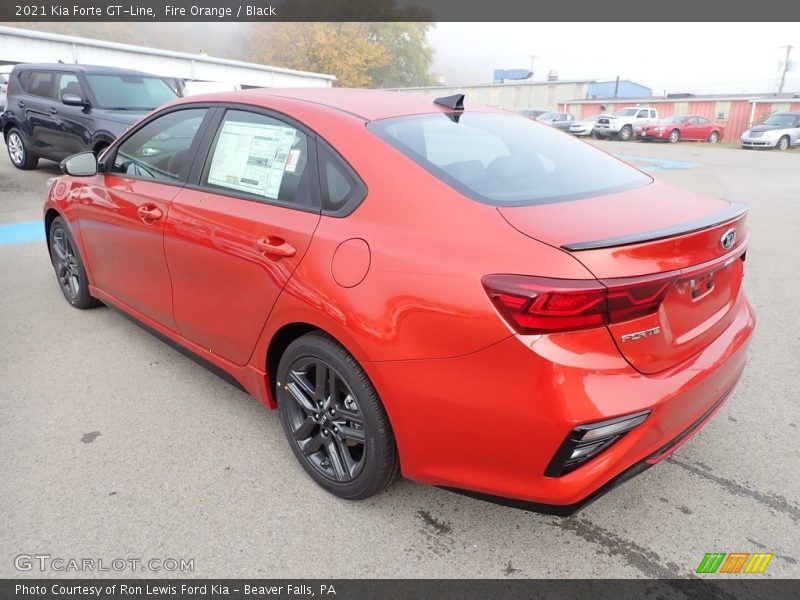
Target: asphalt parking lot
x=115, y=445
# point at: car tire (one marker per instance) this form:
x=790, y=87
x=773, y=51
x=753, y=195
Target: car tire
x=18, y=151
x=782, y=144
x=625, y=134
x=674, y=136
x=714, y=137
x=68, y=266
x=334, y=420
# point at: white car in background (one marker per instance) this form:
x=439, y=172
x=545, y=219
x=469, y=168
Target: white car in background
x=780, y=131
x=585, y=126
x=3, y=88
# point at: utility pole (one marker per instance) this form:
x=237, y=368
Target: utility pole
x=789, y=49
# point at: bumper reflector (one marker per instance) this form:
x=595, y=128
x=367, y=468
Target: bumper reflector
x=587, y=441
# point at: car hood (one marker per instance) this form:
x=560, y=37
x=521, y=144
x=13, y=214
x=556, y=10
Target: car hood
x=769, y=127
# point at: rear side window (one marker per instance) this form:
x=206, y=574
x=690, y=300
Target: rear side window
x=340, y=187
x=504, y=160
x=41, y=83
x=161, y=149
x=261, y=158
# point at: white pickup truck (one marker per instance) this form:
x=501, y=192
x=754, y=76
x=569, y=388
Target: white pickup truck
x=623, y=123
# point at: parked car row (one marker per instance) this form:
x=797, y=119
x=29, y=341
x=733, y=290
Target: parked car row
x=779, y=131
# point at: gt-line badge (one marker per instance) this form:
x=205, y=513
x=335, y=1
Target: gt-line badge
x=637, y=335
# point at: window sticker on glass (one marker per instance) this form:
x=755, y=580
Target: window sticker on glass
x=251, y=157
x=291, y=162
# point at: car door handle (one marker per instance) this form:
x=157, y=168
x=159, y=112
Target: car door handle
x=21, y=104
x=149, y=213
x=53, y=110
x=275, y=246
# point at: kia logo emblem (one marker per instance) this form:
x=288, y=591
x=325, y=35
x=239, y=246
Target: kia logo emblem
x=728, y=239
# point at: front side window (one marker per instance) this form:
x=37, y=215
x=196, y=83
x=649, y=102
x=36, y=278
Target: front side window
x=503, y=160
x=68, y=84
x=260, y=157
x=161, y=148
x=644, y=114
x=130, y=92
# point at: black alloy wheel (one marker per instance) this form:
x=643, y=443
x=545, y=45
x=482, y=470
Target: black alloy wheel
x=333, y=419
x=68, y=266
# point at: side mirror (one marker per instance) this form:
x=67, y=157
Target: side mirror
x=73, y=100
x=80, y=165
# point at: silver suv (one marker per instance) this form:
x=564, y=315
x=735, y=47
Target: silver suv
x=780, y=131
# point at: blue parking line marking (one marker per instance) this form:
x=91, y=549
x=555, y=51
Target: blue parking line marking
x=21, y=233
x=650, y=164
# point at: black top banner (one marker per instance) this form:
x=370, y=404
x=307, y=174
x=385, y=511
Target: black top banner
x=402, y=10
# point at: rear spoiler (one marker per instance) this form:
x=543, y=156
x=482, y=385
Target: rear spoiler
x=734, y=211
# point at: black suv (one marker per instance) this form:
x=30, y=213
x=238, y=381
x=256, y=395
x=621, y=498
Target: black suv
x=53, y=111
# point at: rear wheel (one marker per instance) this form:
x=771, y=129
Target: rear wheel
x=625, y=133
x=714, y=137
x=18, y=151
x=333, y=419
x=68, y=266
x=783, y=143
x=674, y=136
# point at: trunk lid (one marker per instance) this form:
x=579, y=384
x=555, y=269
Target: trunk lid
x=653, y=233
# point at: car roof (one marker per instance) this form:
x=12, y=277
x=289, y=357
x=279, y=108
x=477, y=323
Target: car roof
x=72, y=68
x=370, y=105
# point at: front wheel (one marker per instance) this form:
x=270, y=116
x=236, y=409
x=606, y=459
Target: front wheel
x=68, y=266
x=625, y=133
x=714, y=137
x=783, y=143
x=333, y=419
x=674, y=136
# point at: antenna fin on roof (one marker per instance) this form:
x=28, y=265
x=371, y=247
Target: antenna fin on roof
x=454, y=102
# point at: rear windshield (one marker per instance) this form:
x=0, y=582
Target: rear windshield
x=130, y=92
x=504, y=160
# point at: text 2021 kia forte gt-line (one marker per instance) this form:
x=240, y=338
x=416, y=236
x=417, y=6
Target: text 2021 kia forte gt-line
x=461, y=295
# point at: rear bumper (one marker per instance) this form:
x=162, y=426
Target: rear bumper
x=487, y=424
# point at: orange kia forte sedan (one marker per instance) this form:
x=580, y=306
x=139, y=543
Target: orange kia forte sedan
x=456, y=294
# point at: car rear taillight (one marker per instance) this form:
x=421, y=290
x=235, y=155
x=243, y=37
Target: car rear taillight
x=538, y=305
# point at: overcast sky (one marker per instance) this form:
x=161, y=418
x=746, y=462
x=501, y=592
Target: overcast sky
x=677, y=57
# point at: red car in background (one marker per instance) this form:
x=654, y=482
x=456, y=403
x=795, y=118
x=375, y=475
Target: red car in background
x=682, y=127
x=461, y=295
